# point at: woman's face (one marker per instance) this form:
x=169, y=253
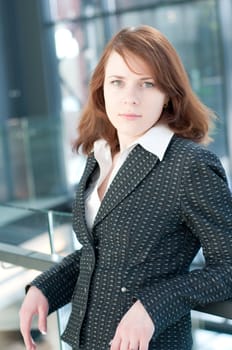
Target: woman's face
x=133, y=101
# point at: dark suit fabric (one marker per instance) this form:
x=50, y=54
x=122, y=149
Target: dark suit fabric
x=151, y=223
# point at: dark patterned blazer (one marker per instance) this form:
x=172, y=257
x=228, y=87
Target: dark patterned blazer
x=152, y=221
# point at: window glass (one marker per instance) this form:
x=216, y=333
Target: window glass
x=77, y=53
x=64, y=9
x=126, y=4
x=69, y=9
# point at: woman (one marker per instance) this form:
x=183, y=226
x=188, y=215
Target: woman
x=149, y=198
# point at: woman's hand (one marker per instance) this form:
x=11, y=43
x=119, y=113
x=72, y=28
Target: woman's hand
x=134, y=331
x=35, y=303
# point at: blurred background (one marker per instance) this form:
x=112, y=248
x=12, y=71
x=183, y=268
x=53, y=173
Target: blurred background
x=48, y=50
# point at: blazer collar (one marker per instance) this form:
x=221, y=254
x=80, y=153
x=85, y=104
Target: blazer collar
x=136, y=167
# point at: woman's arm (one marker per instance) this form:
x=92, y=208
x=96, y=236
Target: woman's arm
x=58, y=283
x=206, y=209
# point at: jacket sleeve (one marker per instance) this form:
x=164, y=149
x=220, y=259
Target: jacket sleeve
x=206, y=209
x=58, y=283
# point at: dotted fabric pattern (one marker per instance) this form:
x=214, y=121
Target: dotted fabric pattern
x=152, y=221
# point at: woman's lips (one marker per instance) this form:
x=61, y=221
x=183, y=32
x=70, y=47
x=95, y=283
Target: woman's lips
x=130, y=115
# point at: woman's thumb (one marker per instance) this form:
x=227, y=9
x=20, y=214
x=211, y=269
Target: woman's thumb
x=42, y=321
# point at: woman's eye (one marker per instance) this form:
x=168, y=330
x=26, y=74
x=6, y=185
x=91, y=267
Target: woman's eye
x=148, y=84
x=116, y=82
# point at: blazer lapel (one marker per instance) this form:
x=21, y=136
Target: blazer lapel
x=136, y=167
x=79, y=222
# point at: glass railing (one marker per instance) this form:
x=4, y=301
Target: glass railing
x=32, y=240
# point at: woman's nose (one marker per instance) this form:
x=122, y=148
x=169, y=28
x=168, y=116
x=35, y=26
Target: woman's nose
x=130, y=101
x=130, y=97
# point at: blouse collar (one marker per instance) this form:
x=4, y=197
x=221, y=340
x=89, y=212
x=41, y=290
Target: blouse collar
x=155, y=141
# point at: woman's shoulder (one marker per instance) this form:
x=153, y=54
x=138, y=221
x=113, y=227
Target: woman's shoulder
x=185, y=147
x=195, y=157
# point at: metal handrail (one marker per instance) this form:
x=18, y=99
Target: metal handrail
x=31, y=259
x=220, y=308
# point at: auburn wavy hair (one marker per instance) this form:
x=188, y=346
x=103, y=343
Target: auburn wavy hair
x=185, y=114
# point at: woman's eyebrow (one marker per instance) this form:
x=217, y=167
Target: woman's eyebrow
x=147, y=78
x=122, y=77
x=115, y=76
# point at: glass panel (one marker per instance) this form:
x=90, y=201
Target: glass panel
x=77, y=52
x=38, y=230
x=71, y=9
x=126, y=4
x=62, y=238
x=23, y=226
x=64, y=9
x=37, y=162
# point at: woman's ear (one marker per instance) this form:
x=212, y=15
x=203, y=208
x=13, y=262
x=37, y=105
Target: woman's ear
x=166, y=102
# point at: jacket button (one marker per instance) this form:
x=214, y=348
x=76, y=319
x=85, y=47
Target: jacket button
x=123, y=289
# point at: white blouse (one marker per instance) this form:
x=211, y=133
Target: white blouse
x=155, y=140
